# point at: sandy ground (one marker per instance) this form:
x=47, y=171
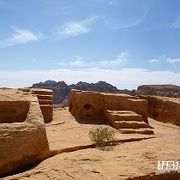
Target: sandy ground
x=126, y=160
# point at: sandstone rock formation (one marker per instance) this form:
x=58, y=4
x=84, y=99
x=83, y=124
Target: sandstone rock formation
x=164, y=109
x=159, y=90
x=45, y=97
x=23, y=139
x=136, y=159
x=88, y=107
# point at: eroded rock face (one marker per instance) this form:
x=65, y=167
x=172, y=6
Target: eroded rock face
x=13, y=111
x=85, y=105
x=164, y=109
x=88, y=107
x=23, y=139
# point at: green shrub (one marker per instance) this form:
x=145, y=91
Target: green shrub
x=103, y=138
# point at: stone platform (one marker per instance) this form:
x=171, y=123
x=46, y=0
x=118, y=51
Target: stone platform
x=121, y=111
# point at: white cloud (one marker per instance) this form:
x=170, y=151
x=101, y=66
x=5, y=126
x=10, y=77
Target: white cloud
x=173, y=61
x=81, y=61
x=165, y=59
x=176, y=23
x=115, y=62
x=75, y=28
x=20, y=36
x=154, y=60
x=61, y=63
x=125, y=78
x=78, y=62
x=135, y=23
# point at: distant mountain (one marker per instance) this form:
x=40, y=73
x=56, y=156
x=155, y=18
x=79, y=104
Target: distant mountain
x=61, y=90
x=167, y=90
x=100, y=86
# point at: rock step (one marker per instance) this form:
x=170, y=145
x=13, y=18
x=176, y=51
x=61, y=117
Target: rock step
x=42, y=91
x=45, y=101
x=47, y=111
x=47, y=97
x=127, y=117
x=130, y=124
x=137, y=131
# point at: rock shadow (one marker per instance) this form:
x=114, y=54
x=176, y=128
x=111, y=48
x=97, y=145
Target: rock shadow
x=88, y=115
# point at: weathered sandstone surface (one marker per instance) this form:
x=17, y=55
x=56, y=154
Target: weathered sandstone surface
x=87, y=106
x=23, y=139
x=77, y=160
x=70, y=153
x=164, y=109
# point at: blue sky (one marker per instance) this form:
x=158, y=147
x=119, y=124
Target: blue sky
x=124, y=42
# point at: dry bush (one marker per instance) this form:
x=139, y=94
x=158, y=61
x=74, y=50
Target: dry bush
x=103, y=138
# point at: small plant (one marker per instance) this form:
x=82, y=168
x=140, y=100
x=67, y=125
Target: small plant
x=103, y=138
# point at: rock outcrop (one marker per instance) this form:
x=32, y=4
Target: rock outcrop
x=94, y=107
x=164, y=109
x=159, y=90
x=23, y=139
